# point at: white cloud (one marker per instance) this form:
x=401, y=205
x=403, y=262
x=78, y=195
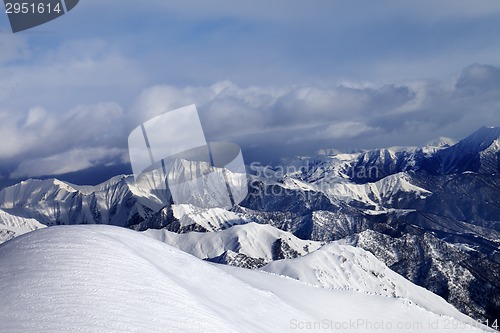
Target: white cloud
x=41, y=133
x=409, y=113
x=35, y=115
x=312, y=73
x=75, y=72
x=228, y=110
x=13, y=47
x=69, y=161
x=342, y=130
x=305, y=118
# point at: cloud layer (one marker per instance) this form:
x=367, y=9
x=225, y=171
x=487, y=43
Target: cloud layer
x=307, y=118
x=278, y=78
x=266, y=121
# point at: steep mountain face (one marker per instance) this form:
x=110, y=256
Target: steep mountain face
x=53, y=202
x=431, y=214
x=478, y=151
x=120, y=201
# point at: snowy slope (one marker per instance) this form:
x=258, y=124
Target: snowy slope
x=209, y=219
x=457, y=269
x=346, y=267
x=260, y=243
x=108, y=279
x=12, y=226
x=350, y=311
x=489, y=158
x=380, y=194
x=441, y=142
x=423, y=202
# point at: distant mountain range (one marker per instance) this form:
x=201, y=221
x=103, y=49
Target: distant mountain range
x=430, y=214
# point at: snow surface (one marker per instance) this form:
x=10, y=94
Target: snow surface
x=340, y=266
x=12, y=226
x=251, y=239
x=377, y=193
x=98, y=278
x=211, y=219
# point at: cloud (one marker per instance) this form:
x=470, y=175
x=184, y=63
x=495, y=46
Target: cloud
x=343, y=130
x=275, y=77
x=13, y=47
x=266, y=120
x=366, y=115
x=199, y=42
x=274, y=81
x=39, y=132
x=69, y=161
x=84, y=72
x=478, y=79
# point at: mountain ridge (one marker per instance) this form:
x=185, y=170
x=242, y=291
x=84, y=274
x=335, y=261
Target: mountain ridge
x=440, y=215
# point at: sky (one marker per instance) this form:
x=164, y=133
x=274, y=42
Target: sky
x=279, y=78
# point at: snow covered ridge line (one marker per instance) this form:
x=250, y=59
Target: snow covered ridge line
x=249, y=245
x=295, y=179
x=479, y=152
x=279, y=171
x=337, y=266
x=109, y=279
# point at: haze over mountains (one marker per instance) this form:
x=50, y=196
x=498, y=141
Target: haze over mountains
x=430, y=215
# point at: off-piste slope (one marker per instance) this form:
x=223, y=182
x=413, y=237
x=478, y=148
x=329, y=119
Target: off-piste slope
x=110, y=279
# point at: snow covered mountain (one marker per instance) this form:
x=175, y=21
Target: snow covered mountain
x=118, y=201
x=431, y=214
x=337, y=266
x=12, y=226
x=251, y=245
x=455, y=271
x=436, y=209
x=109, y=279
x=478, y=152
